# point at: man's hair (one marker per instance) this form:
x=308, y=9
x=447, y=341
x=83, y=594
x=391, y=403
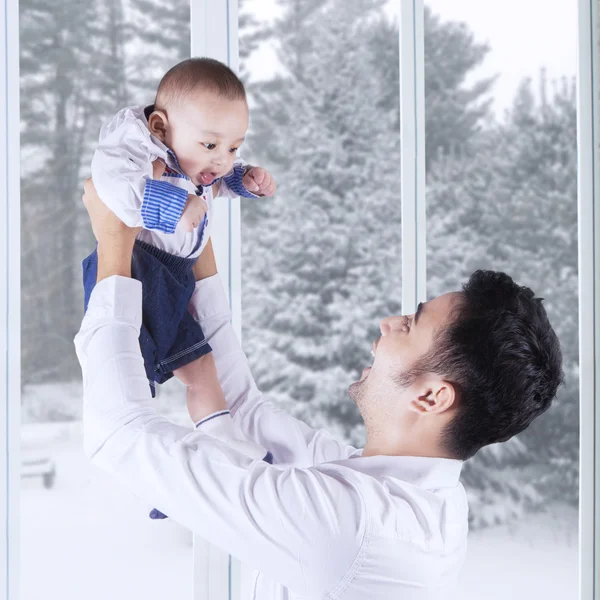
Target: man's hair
x=503, y=357
x=189, y=75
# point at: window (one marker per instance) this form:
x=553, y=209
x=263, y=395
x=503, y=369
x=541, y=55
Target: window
x=321, y=260
x=82, y=534
x=501, y=138
x=320, y=263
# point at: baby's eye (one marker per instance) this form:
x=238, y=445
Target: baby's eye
x=233, y=150
x=209, y=146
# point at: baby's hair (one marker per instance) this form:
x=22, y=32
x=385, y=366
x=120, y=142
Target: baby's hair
x=194, y=73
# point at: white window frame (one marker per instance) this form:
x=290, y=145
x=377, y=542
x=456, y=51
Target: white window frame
x=588, y=198
x=10, y=299
x=412, y=155
x=214, y=32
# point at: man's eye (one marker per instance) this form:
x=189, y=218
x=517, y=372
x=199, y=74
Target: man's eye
x=209, y=146
x=233, y=150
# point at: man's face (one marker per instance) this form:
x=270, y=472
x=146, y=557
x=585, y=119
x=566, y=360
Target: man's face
x=205, y=132
x=403, y=341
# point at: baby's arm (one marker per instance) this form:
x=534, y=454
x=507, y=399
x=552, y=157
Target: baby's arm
x=245, y=180
x=122, y=174
x=230, y=185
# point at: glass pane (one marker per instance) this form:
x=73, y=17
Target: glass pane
x=83, y=536
x=320, y=260
x=502, y=195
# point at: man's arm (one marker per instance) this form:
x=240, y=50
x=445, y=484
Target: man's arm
x=245, y=506
x=303, y=528
x=290, y=440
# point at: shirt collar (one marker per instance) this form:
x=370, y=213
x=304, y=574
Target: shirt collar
x=423, y=471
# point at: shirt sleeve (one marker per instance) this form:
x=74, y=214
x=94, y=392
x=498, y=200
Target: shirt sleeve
x=290, y=440
x=122, y=175
x=303, y=528
x=231, y=185
x=220, y=425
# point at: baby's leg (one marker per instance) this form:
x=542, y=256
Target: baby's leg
x=204, y=394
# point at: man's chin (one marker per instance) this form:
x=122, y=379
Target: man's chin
x=354, y=390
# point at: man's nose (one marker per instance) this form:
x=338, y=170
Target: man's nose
x=392, y=324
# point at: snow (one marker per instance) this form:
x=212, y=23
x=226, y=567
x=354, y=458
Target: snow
x=536, y=557
x=87, y=537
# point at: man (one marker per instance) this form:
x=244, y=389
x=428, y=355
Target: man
x=325, y=520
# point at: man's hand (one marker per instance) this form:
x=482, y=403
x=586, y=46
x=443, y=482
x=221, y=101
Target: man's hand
x=259, y=181
x=206, y=265
x=115, y=239
x=107, y=227
x=193, y=213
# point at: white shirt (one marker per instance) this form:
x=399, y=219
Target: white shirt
x=122, y=174
x=322, y=522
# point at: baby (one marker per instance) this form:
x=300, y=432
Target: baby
x=196, y=125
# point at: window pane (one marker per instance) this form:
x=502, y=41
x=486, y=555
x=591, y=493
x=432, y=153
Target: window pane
x=83, y=536
x=502, y=195
x=320, y=260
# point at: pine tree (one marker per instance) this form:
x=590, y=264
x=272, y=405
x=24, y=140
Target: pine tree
x=318, y=245
x=538, y=214
x=160, y=38
x=251, y=33
x=454, y=111
x=512, y=207
x=306, y=333
x=321, y=115
x=64, y=87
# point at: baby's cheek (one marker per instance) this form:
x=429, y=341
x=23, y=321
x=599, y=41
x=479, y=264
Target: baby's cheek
x=190, y=164
x=230, y=162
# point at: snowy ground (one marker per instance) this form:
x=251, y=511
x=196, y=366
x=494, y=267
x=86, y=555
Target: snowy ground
x=87, y=538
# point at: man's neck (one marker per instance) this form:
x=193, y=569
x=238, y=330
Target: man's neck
x=406, y=447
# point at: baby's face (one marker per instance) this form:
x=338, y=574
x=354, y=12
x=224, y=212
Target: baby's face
x=205, y=132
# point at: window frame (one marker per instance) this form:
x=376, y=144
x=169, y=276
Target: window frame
x=214, y=33
x=588, y=199
x=10, y=300
x=412, y=155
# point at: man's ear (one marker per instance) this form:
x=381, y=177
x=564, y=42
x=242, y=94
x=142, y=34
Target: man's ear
x=157, y=124
x=436, y=397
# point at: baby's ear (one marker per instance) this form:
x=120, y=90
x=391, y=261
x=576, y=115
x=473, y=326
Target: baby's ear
x=157, y=124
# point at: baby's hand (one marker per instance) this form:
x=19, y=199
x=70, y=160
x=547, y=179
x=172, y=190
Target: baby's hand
x=259, y=181
x=193, y=213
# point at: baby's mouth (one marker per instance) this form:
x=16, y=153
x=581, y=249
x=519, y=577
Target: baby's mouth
x=207, y=177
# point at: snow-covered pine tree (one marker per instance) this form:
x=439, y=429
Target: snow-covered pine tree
x=160, y=38
x=283, y=132
x=332, y=240
x=535, y=221
x=251, y=33
x=472, y=220
x=67, y=50
x=454, y=109
x=512, y=207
